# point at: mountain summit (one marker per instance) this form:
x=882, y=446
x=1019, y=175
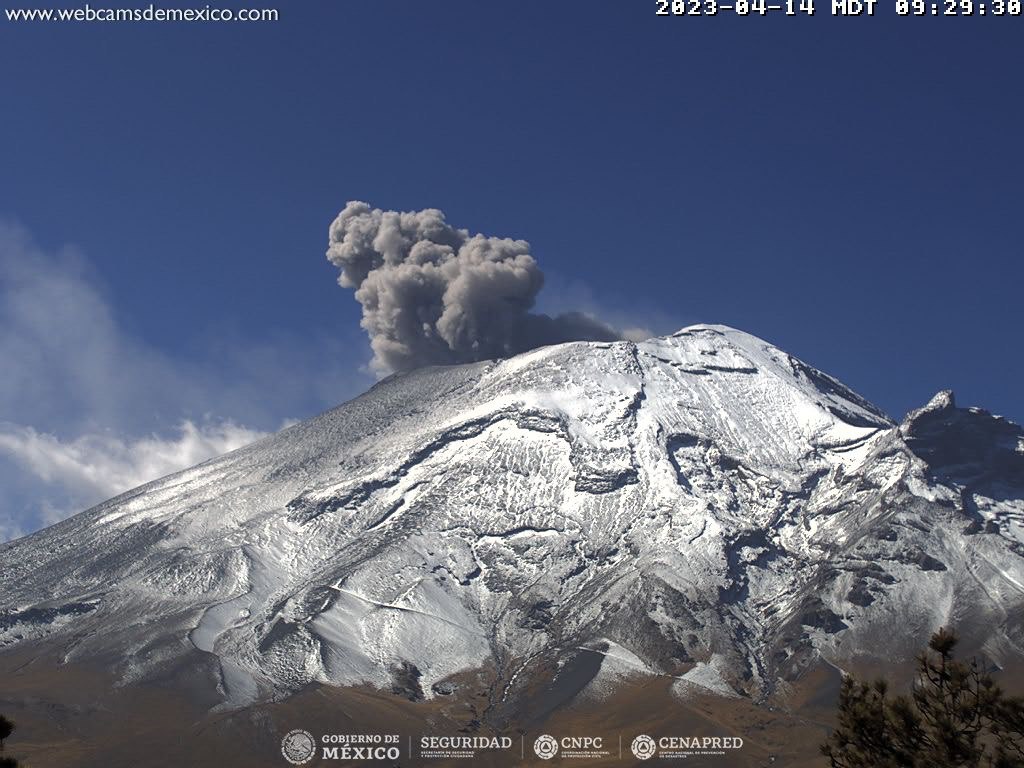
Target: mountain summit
x=702, y=508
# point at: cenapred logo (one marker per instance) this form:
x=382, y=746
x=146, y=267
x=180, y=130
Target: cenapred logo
x=546, y=747
x=643, y=747
x=682, y=747
x=298, y=746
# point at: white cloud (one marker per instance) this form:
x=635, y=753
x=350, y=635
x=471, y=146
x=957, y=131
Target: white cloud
x=89, y=409
x=97, y=466
x=70, y=365
x=9, y=529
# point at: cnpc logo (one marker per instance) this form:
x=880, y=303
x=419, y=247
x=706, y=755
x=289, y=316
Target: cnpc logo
x=546, y=746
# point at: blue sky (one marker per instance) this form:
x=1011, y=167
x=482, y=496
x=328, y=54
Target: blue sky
x=847, y=188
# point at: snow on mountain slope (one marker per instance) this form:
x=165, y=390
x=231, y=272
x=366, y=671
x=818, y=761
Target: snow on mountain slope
x=703, y=506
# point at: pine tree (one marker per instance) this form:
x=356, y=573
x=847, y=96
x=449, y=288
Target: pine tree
x=955, y=717
x=6, y=729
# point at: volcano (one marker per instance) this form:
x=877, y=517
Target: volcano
x=701, y=517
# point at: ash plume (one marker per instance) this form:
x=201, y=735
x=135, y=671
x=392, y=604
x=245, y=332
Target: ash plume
x=436, y=295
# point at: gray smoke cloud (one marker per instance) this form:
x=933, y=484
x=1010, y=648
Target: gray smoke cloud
x=435, y=295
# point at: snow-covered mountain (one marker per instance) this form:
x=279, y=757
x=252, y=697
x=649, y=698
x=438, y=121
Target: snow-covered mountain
x=702, y=506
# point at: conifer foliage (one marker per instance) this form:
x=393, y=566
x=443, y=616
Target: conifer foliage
x=6, y=729
x=955, y=717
